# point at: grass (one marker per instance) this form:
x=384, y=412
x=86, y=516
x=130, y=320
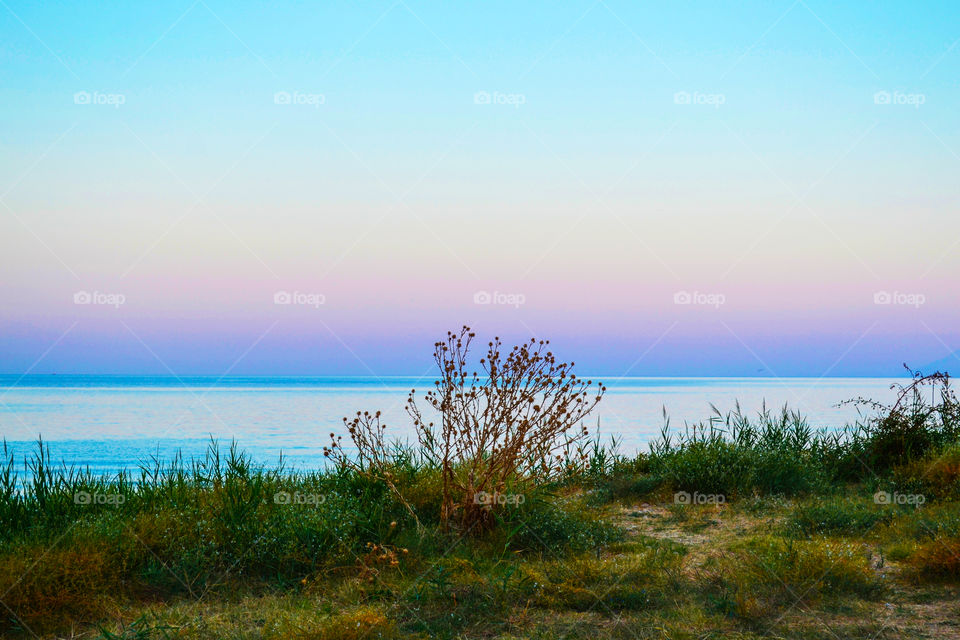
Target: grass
x=739, y=527
x=207, y=550
x=839, y=515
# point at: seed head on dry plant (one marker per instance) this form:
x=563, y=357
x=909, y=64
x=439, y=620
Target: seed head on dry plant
x=515, y=421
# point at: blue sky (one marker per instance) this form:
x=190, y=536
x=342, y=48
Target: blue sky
x=692, y=188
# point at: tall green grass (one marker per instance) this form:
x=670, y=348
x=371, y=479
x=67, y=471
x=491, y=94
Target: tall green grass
x=777, y=452
x=910, y=444
x=70, y=540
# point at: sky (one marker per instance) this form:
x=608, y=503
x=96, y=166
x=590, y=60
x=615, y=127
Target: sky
x=293, y=188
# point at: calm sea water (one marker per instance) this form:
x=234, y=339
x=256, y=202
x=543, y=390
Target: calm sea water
x=111, y=422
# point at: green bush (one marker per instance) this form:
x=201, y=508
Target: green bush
x=913, y=426
x=930, y=522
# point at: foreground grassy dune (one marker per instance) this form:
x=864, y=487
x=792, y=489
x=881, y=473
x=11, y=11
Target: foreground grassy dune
x=753, y=568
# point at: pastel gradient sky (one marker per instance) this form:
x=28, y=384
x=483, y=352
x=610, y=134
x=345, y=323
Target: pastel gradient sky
x=682, y=188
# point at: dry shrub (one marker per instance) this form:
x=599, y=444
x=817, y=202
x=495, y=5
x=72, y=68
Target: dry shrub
x=944, y=472
x=938, y=559
x=516, y=422
x=936, y=476
x=47, y=588
x=379, y=558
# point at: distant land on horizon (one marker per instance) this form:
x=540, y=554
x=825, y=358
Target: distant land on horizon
x=27, y=379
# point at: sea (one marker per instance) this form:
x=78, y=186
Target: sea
x=109, y=423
